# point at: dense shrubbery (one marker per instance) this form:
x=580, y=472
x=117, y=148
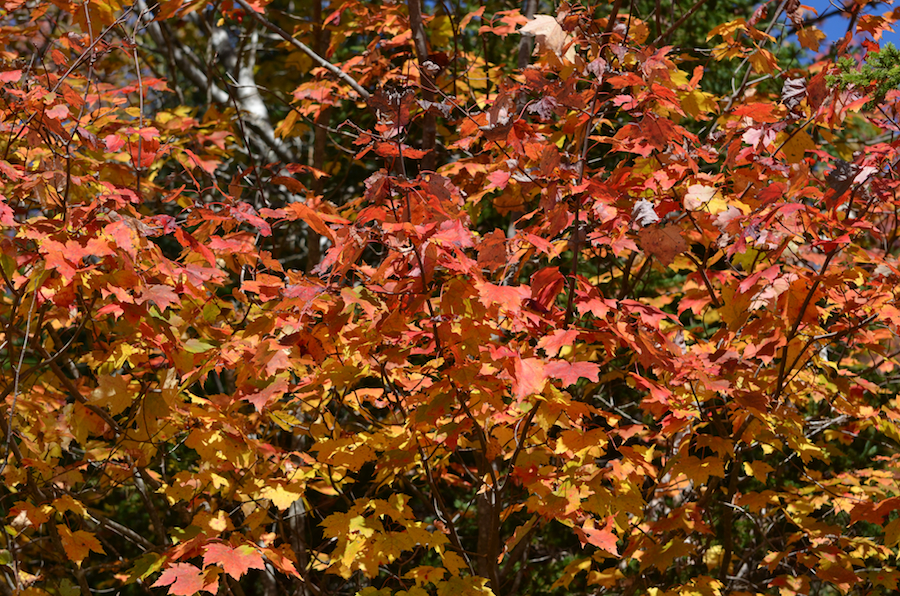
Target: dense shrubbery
x=359, y=298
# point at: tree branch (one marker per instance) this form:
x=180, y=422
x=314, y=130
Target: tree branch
x=185, y=60
x=304, y=48
x=679, y=22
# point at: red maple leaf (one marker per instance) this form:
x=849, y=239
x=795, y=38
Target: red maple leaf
x=281, y=562
x=235, y=561
x=262, y=398
x=245, y=213
x=557, y=340
x=530, y=377
x=162, y=296
x=570, y=372
x=392, y=150
x=57, y=112
x=184, y=579
x=6, y=214
x=601, y=538
x=509, y=297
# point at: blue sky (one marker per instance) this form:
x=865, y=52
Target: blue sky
x=835, y=27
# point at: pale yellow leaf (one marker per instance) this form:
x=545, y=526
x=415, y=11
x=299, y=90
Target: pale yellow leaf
x=550, y=36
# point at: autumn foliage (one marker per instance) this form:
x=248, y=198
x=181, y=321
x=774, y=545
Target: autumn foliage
x=400, y=298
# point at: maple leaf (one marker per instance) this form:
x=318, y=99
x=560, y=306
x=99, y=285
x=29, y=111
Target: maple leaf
x=69, y=503
x=546, y=285
x=160, y=295
x=7, y=216
x=281, y=562
x=78, y=544
x=545, y=108
x=243, y=211
x=57, y=112
x=600, y=537
x=793, y=92
x=185, y=579
x=392, y=105
x=312, y=218
x=234, y=561
x=112, y=393
x=145, y=565
x=663, y=243
x=292, y=184
x=810, y=38
x=492, y=251
x=282, y=496
x=530, y=377
x=557, y=340
x=276, y=361
x=401, y=150
x=509, y=297
x=498, y=179
x=550, y=36
x=570, y=372
x=272, y=392
x=840, y=179
x=644, y=213
x=453, y=233
x=207, y=165
x=797, y=145
x=698, y=196
x=500, y=119
x=143, y=152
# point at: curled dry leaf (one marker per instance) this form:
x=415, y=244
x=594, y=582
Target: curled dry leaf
x=841, y=177
x=501, y=117
x=793, y=92
x=644, y=214
x=794, y=11
x=549, y=35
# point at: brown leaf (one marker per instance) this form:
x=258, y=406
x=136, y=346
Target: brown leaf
x=392, y=105
x=794, y=12
x=492, y=251
x=817, y=90
x=663, y=243
x=840, y=179
x=793, y=92
x=501, y=117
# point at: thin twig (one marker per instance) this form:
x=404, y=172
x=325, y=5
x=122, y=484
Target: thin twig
x=12, y=407
x=304, y=48
x=678, y=23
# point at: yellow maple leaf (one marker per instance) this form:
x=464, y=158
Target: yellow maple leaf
x=78, y=544
x=797, y=145
x=281, y=496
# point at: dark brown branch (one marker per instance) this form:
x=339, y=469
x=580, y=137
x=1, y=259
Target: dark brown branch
x=420, y=42
x=525, y=41
x=782, y=370
x=702, y=270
